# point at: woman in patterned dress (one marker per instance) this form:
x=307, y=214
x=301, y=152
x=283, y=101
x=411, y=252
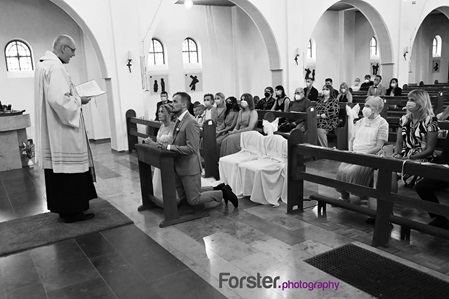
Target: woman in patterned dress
x=327, y=114
x=418, y=130
x=369, y=136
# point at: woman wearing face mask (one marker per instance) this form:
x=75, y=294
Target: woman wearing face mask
x=327, y=114
x=344, y=95
x=211, y=111
x=369, y=136
x=356, y=86
x=418, y=129
x=246, y=121
x=282, y=101
x=394, y=89
x=230, y=119
x=220, y=107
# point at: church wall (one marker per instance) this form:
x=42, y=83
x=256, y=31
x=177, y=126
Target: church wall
x=327, y=49
x=363, y=34
x=37, y=23
x=422, y=50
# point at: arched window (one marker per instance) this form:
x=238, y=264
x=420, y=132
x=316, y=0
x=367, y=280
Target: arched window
x=436, y=46
x=18, y=56
x=189, y=51
x=309, y=49
x=373, y=46
x=156, y=54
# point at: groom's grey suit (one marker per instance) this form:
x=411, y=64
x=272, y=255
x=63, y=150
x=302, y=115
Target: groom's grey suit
x=186, y=142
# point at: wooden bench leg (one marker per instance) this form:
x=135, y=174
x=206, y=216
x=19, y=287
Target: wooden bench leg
x=321, y=206
x=405, y=233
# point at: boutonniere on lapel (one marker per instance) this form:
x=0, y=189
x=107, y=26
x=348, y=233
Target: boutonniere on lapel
x=177, y=130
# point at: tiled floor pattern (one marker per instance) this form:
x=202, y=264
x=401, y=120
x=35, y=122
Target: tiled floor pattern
x=245, y=241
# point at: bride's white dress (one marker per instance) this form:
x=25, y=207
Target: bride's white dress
x=165, y=135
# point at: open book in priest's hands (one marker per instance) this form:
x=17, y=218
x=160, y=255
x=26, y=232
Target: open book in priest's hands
x=89, y=89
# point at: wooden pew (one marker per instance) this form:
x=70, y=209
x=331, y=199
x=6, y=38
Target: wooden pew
x=210, y=149
x=383, y=193
x=309, y=117
x=150, y=155
x=131, y=129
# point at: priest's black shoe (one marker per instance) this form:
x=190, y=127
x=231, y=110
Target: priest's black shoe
x=228, y=195
x=78, y=217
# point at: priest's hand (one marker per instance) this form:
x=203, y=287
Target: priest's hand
x=85, y=100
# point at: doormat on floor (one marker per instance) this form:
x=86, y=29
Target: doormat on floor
x=38, y=230
x=378, y=276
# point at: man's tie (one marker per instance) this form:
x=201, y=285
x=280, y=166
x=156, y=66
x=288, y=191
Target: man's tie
x=176, y=126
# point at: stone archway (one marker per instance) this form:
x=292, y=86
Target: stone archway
x=381, y=31
x=420, y=66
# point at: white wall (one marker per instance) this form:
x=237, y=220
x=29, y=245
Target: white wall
x=327, y=49
x=233, y=55
x=38, y=23
x=422, y=50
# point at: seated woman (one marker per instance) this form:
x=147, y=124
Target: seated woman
x=394, y=89
x=356, y=86
x=327, y=114
x=300, y=104
x=418, y=131
x=230, y=120
x=220, y=106
x=369, y=136
x=282, y=102
x=246, y=121
x=164, y=135
x=344, y=95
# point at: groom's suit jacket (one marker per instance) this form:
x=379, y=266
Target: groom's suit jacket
x=186, y=142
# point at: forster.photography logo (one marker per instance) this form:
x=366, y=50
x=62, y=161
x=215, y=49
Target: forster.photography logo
x=268, y=282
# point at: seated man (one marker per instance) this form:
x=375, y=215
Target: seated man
x=200, y=113
x=426, y=189
x=377, y=89
x=186, y=139
x=329, y=82
x=365, y=85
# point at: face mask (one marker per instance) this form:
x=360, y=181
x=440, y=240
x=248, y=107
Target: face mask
x=207, y=103
x=326, y=92
x=163, y=99
x=229, y=105
x=298, y=97
x=411, y=106
x=267, y=95
x=244, y=104
x=279, y=92
x=393, y=85
x=343, y=90
x=366, y=80
x=367, y=112
x=217, y=102
x=308, y=84
x=356, y=83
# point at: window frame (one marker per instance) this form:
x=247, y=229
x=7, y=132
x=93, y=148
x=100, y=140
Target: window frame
x=375, y=46
x=197, y=51
x=153, y=55
x=18, y=56
x=437, y=43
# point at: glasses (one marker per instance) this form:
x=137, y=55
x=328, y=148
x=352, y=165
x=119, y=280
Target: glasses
x=73, y=50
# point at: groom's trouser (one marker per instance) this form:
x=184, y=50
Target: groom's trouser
x=189, y=188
